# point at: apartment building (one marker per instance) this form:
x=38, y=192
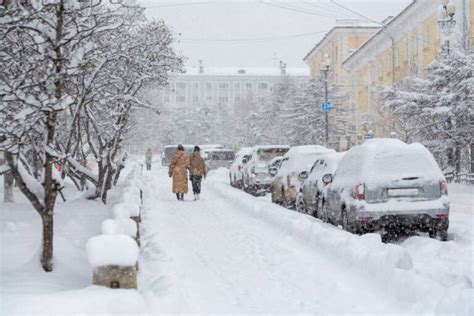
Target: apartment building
x=403, y=47
x=225, y=86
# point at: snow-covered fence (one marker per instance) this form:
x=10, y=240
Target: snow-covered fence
x=114, y=254
x=464, y=178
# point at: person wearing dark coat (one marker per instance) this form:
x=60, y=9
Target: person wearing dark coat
x=197, y=169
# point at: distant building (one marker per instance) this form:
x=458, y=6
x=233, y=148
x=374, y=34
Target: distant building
x=224, y=86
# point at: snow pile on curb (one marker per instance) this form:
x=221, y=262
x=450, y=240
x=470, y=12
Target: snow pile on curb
x=366, y=251
x=117, y=246
x=390, y=264
x=106, y=250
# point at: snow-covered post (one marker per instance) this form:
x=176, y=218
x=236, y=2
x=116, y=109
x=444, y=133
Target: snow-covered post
x=113, y=259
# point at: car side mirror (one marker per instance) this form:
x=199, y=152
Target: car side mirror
x=303, y=175
x=273, y=171
x=327, y=178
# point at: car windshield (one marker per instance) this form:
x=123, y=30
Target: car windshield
x=403, y=164
x=299, y=163
x=222, y=155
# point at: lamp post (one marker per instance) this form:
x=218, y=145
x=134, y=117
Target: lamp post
x=325, y=71
x=446, y=22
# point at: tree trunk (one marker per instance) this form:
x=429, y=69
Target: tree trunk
x=472, y=157
x=458, y=158
x=47, y=253
x=8, y=187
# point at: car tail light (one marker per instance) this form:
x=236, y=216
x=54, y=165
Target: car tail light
x=359, y=192
x=442, y=215
x=443, y=187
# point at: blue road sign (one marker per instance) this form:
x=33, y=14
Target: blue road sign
x=326, y=106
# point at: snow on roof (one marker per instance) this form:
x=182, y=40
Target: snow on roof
x=270, y=146
x=362, y=26
x=244, y=71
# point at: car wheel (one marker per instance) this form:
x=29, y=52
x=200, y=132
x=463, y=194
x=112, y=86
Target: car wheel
x=284, y=203
x=300, y=206
x=345, y=222
x=317, y=209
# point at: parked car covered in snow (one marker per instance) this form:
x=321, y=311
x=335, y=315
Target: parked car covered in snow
x=292, y=172
x=388, y=184
x=169, y=150
x=310, y=195
x=257, y=177
x=205, y=149
x=236, y=167
x=219, y=158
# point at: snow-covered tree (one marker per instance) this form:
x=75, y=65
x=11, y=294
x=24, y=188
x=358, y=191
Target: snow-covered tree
x=438, y=110
x=70, y=71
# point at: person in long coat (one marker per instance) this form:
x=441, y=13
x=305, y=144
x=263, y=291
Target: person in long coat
x=198, y=169
x=148, y=158
x=178, y=169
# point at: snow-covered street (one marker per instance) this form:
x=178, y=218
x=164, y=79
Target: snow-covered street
x=234, y=253
x=229, y=253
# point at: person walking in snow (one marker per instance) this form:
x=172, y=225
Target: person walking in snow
x=178, y=169
x=198, y=169
x=148, y=157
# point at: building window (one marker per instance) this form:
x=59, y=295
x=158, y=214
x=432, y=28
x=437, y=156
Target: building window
x=236, y=85
x=195, y=99
x=223, y=85
x=209, y=85
x=196, y=85
x=248, y=86
x=263, y=86
x=180, y=85
x=223, y=99
x=209, y=98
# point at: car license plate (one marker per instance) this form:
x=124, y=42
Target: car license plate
x=402, y=192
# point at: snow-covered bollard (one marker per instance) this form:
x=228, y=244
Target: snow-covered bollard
x=124, y=226
x=129, y=210
x=113, y=259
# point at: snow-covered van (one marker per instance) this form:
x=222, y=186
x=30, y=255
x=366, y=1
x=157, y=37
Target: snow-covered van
x=386, y=183
x=208, y=147
x=169, y=150
x=219, y=158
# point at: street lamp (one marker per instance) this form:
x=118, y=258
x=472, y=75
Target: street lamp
x=446, y=22
x=325, y=71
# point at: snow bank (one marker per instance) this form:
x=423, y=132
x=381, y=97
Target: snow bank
x=105, y=250
x=390, y=265
x=366, y=251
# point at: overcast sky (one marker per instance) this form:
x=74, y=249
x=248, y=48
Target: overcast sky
x=258, y=33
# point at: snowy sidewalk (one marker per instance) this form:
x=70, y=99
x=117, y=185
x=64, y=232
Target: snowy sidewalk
x=210, y=256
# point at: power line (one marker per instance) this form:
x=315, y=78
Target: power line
x=257, y=39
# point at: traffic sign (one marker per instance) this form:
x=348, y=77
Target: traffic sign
x=326, y=106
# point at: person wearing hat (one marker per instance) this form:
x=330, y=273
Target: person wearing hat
x=178, y=169
x=198, y=169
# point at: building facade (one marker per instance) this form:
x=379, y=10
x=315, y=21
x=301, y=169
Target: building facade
x=403, y=47
x=224, y=87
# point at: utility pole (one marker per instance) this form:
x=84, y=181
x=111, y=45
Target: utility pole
x=326, y=106
x=326, y=71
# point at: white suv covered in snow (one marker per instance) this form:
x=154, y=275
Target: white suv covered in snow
x=386, y=183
